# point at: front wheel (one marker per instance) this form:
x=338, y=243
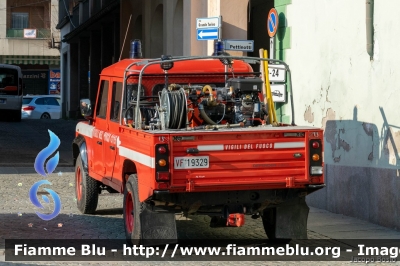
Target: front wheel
x=86, y=189
x=132, y=210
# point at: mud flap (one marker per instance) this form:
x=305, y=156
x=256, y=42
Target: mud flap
x=287, y=221
x=157, y=228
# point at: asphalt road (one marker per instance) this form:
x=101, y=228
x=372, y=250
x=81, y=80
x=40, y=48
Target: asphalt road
x=21, y=142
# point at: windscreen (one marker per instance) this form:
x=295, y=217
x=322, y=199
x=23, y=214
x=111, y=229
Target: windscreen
x=8, y=81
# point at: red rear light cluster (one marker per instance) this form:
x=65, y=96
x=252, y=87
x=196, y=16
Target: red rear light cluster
x=28, y=108
x=162, y=166
x=316, y=164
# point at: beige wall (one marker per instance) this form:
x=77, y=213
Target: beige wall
x=36, y=47
x=169, y=26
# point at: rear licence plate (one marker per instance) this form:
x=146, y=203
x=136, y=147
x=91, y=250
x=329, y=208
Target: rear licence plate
x=2, y=101
x=191, y=162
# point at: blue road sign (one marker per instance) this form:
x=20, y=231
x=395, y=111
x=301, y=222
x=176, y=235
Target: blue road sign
x=207, y=34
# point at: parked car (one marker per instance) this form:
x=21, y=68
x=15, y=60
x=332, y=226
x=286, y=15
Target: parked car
x=41, y=107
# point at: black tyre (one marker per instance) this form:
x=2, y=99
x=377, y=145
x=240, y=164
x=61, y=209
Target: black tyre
x=132, y=210
x=86, y=189
x=45, y=116
x=269, y=223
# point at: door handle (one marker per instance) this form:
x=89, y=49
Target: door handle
x=112, y=147
x=99, y=142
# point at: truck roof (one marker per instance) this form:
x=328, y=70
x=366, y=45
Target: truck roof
x=197, y=66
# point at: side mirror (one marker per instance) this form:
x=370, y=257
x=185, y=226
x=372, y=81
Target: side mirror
x=85, y=108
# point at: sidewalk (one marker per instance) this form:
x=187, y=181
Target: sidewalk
x=338, y=226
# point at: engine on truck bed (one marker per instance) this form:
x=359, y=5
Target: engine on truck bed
x=235, y=104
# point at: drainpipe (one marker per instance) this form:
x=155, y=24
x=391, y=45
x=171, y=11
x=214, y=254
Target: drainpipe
x=369, y=23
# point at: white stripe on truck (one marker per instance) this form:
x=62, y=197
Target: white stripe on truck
x=288, y=145
x=136, y=156
x=85, y=129
x=219, y=147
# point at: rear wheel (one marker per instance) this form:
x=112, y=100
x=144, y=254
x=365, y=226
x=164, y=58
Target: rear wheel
x=86, y=189
x=132, y=210
x=45, y=116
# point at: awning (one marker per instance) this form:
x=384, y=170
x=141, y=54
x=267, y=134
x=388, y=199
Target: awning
x=32, y=60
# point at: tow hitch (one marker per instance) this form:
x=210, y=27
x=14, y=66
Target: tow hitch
x=235, y=219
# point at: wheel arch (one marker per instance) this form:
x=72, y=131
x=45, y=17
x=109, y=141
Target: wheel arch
x=79, y=147
x=128, y=168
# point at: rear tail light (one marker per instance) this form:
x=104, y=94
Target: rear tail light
x=162, y=149
x=315, y=144
x=162, y=162
x=162, y=165
x=316, y=164
x=28, y=108
x=315, y=157
x=162, y=176
x=162, y=186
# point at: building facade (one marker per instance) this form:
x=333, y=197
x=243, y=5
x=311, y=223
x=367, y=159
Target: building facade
x=97, y=33
x=29, y=39
x=344, y=59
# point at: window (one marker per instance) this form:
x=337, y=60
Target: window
x=39, y=101
x=26, y=100
x=101, y=110
x=51, y=101
x=20, y=20
x=116, y=101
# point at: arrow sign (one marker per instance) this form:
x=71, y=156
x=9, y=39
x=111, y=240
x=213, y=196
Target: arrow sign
x=207, y=34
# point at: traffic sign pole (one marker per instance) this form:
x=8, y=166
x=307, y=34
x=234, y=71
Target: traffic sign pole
x=272, y=48
x=220, y=28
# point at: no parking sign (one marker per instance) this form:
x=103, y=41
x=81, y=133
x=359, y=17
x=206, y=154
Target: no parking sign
x=272, y=22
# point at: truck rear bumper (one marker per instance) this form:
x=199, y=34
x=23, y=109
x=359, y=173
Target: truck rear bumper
x=248, y=201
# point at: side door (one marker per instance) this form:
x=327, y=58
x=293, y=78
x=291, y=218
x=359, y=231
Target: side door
x=96, y=162
x=114, y=121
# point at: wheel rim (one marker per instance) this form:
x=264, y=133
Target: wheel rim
x=45, y=116
x=78, y=185
x=129, y=212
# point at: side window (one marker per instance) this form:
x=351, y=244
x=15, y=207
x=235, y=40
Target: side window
x=116, y=101
x=39, y=101
x=52, y=101
x=101, y=109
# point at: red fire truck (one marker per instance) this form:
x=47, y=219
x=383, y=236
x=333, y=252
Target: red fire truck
x=192, y=135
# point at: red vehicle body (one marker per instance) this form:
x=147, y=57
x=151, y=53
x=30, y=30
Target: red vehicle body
x=196, y=141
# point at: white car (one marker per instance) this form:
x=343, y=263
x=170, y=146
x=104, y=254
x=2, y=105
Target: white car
x=41, y=107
